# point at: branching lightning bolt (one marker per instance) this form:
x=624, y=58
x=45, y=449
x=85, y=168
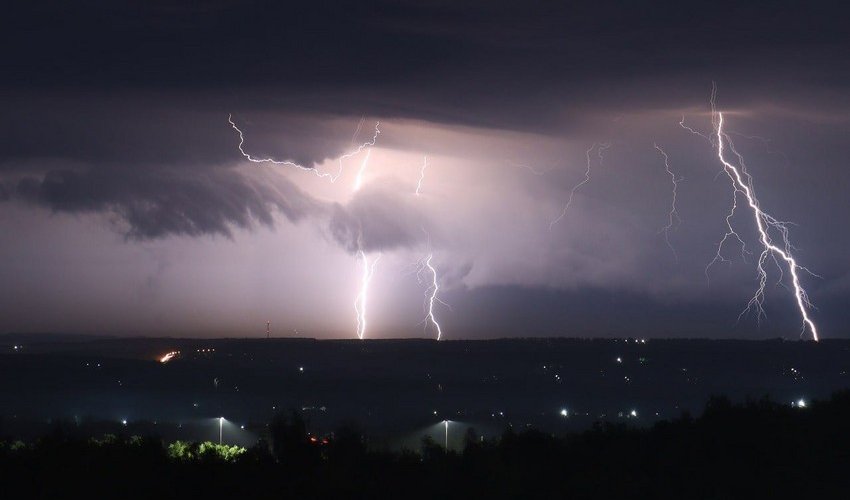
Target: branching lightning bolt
x=421, y=175
x=432, y=292
x=742, y=184
x=764, y=221
x=600, y=147
x=691, y=130
x=360, y=301
x=368, y=268
x=673, y=215
x=288, y=163
x=433, y=289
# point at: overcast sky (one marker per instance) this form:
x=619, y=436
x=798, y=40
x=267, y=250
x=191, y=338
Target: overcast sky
x=126, y=207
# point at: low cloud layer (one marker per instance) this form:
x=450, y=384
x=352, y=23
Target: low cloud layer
x=158, y=204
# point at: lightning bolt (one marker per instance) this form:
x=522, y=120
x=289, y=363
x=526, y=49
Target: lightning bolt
x=673, y=215
x=368, y=268
x=357, y=130
x=421, y=175
x=325, y=175
x=425, y=266
x=358, y=181
x=528, y=167
x=433, y=290
x=434, y=287
x=600, y=147
x=742, y=185
x=691, y=130
x=360, y=300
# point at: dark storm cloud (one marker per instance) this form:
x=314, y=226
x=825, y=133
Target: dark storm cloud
x=158, y=204
x=163, y=166
x=121, y=108
x=128, y=131
x=501, y=64
x=378, y=218
x=137, y=92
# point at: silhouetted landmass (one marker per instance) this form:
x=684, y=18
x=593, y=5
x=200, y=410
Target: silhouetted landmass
x=394, y=388
x=758, y=449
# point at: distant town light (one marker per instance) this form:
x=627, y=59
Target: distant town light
x=564, y=412
x=619, y=360
x=633, y=413
x=168, y=356
x=801, y=403
x=124, y=421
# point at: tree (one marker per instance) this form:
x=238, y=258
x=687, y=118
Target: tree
x=290, y=442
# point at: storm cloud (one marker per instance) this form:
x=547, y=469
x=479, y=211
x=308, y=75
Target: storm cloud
x=158, y=204
x=117, y=112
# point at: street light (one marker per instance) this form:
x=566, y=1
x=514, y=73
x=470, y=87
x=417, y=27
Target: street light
x=220, y=428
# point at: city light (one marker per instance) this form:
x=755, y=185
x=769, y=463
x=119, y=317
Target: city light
x=168, y=356
x=564, y=412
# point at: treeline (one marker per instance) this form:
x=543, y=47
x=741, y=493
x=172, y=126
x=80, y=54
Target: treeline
x=758, y=449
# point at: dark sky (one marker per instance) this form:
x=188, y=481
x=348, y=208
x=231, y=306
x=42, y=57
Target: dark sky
x=127, y=208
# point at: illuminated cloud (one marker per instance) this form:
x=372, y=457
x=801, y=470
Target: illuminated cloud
x=96, y=144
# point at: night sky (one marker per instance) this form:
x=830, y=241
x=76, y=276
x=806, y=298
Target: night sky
x=126, y=207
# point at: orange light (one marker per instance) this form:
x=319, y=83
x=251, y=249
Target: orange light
x=169, y=356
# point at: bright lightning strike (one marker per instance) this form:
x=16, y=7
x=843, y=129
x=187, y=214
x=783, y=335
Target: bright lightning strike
x=360, y=301
x=432, y=292
x=434, y=286
x=600, y=149
x=421, y=175
x=358, y=181
x=425, y=266
x=368, y=269
x=288, y=163
x=673, y=215
x=742, y=185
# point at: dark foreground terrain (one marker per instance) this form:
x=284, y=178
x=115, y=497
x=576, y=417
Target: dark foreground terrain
x=398, y=390
x=758, y=449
